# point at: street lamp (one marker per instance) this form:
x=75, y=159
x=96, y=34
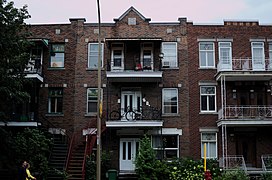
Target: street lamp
x=99, y=102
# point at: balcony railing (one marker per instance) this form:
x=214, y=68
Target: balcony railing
x=246, y=112
x=133, y=114
x=233, y=162
x=245, y=64
x=34, y=66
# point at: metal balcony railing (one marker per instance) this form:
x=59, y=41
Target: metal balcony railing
x=267, y=162
x=233, y=162
x=245, y=64
x=34, y=66
x=246, y=112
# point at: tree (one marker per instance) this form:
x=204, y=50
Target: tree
x=13, y=55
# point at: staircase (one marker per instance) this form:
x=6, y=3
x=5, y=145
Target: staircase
x=74, y=169
x=58, y=157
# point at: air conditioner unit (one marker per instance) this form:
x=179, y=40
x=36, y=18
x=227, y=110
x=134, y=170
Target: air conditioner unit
x=165, y=64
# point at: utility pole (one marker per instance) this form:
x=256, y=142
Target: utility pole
x=99, y=100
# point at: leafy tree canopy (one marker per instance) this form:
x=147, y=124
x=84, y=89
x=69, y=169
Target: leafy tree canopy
x=13, y=56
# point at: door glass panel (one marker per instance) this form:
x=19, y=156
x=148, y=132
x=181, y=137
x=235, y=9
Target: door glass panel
x=124, y=151
x=129, y=151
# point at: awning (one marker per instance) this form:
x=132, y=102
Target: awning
x=45, y=42
x=134, y=124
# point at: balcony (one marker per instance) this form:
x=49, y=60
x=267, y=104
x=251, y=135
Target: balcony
x=245, y=115
x=141, y=117
x=128, y=70
x=17, y=119
x=244, y=69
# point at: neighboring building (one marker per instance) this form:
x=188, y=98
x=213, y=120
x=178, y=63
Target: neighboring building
x=230, y=91
x=180, y=83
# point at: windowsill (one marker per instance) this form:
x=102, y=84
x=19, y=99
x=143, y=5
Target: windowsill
x=90, y=114
x=207, y=68
x=54, y=114
x=170, y=115
x=56, y=68
x=208, y=113
x=94, y=69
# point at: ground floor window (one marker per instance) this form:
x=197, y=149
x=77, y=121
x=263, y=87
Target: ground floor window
x=166, y=146
x=210, y=139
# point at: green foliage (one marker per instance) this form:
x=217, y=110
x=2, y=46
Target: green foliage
x=266, y=176
x=186, y=169
x=13, y=56
x=146, y=161
x=33, y=146
x=233, y=175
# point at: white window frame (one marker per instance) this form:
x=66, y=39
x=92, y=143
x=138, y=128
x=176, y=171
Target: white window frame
x=270, y=50
x=57, y=56
x=172, y=56
x=93, y=56
x=206, y=51
x=208, y=142
x=164, y=149
x=225, y=46
x=91, y=101
x=148, y=48
x=50, y=97
x=164, y=100
x=120, y=47
x=207, y=96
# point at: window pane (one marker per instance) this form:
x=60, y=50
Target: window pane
x=170, y=53
x=204, y=106
x=211, y=103
x=93, y=55
x=170, y=101
x=92, y=100
x=58, y=47
x=55, y=100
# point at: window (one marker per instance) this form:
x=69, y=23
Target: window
x=147, y=56
x=55, y=100
x=93, y=55
x=57, y=56
x=225, y=53
x=208, y=100
x=117, y=56
x=166, y=146
x=210, y=139
x=258, y=55
x=206, y=55
x=170, y=101
x=92, y=100
x=169, y=49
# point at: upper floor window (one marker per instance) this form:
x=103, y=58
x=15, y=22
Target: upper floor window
x=92, y=98
x=207, y=99
x=117, y=56
x=169, y=49
x=55, y=100
x=170, y=101
x=147, y=56
x=166, y=146
x=225, y=56
x=206, y=55
x=257, y=49
x=93, y=55
x=210, y=139
x=57, y=56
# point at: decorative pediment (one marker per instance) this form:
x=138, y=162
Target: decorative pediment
x=130, y=10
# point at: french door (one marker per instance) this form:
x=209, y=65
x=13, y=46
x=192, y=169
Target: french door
x=258, y=56
x=128, y=151
x=131, y=100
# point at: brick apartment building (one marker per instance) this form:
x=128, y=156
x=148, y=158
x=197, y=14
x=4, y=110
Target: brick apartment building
x=183, y=84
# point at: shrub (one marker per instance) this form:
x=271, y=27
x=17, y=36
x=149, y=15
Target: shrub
x=233, y=175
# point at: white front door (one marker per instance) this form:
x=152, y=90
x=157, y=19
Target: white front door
x=131, y=100
x=128, y=150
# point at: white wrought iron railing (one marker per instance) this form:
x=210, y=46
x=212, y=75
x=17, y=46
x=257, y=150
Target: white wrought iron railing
x=245, y=64
x=233, y=162
x=246, y=112
x=267, y=162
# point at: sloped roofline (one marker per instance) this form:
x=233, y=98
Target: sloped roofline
x=134, y=10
